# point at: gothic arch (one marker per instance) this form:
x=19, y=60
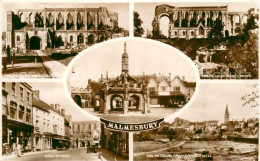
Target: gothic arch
x=50, y=19
x=134, y=102
x=22, y=17
x=31, y=18
x=60, y=18
x=193, y=21
x=80, y=39
x=90, y=20
x=116, y=102
x=184, y=21
x=79, y=18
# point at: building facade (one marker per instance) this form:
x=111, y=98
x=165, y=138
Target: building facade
x=115, y=141
x=30, y=28
x=196, y=22
x=42, y=137
x=82, y=96
x=17, y=125
x=49, y=125
x=86, y=133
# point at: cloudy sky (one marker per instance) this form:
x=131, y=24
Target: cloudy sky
x=147, y=10
x=121, y=8
x=212, y=98
x=144, y=56
x=53, y=93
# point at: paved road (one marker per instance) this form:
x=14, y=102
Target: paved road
x=68, y=155
x=55, y=68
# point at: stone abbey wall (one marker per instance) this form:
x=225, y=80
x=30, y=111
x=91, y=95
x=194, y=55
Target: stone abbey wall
x=196, y=22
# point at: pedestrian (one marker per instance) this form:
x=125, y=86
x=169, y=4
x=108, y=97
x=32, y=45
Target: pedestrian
x=18, y=148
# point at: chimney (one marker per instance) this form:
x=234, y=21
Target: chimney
x=63, y=111
x=183, y=78
x=107, y=74
x=52, y=106
x=170, y=76
x=57, y=107
x=36, y=94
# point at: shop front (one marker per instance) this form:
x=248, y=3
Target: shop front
x=15, y=132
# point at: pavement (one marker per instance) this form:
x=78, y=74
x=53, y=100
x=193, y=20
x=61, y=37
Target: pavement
x=54, y=67
x=25, y=66
x=77, y=154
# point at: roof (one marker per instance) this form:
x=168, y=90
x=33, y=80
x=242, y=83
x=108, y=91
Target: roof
x=41, y=104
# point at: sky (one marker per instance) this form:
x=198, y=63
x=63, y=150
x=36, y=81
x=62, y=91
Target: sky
x=121, y=8
x=212, y=98
x=144, y=56
x=53, y=93
x=147, y=10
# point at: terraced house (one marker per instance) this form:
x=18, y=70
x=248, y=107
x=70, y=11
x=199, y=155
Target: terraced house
x=17, y=126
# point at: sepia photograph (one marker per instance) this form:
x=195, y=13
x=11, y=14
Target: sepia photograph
x=220, y=37
x=40, y=39
x=132, y=77
x=223, y=126
x=37, y=125
x=123, y=80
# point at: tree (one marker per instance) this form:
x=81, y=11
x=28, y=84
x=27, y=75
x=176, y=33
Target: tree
x=138, y=30
x=216, y=31
x=250, y=25
x=246, y=55
x=55, y=40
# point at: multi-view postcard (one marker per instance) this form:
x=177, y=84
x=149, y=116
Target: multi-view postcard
x=129, y=80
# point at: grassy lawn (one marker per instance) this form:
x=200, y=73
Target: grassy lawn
x=146, y=146
x=25, y=67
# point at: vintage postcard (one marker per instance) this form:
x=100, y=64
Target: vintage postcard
x=139, y=80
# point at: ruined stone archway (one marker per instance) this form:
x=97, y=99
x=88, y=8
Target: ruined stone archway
x=160, y=12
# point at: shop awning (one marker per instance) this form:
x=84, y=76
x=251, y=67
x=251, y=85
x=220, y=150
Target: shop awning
x=62, y=139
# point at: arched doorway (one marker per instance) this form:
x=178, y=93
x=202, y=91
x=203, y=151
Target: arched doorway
x=164, y=25
x=134, y=103
x=77, y=99
x=116, y=103
x=91, y=39
x=35, y=43
x=80, y=39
